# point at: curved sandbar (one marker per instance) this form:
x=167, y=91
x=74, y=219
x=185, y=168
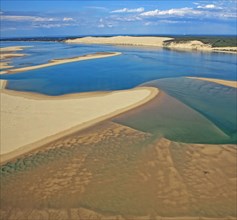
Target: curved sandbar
x=62, y=61
x=218, y=81
x=34, y=119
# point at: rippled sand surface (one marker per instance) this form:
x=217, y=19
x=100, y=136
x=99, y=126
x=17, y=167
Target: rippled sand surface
x=116, y=172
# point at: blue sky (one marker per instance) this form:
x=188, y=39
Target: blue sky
x=54, y=18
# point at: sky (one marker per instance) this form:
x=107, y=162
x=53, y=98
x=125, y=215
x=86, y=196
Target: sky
x=114, y=17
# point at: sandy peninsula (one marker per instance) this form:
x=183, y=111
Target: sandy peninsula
x=65, y=60
x=34, y=118
x=218, y=81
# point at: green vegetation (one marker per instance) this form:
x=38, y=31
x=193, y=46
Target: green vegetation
x=214, y=41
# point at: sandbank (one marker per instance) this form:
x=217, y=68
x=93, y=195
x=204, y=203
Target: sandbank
x=13, y=48
x=218, y=81
x=62, y=61
x=4, y=65
x=37, y=119
x=122, y=40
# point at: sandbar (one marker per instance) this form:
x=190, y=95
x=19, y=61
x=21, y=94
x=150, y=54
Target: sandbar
x=218, y=81
x=13, y=48
x=35, y=119
x=5, y=65
x=65, y=60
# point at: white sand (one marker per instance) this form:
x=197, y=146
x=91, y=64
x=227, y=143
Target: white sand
x=122, y=40
x=27, y=119
x=218, y=81
x=62, y=61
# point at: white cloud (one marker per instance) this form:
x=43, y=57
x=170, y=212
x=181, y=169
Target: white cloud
x=127, y=10
x=171, y=12
x=210, y=6
x=25, y=18
x=68, y=19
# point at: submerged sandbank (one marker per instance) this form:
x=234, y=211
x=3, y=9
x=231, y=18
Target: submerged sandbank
x=36, y=119
x=62, y=61
x=218, y=81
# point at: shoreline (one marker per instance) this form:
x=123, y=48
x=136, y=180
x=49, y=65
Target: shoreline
x=63, y=61
x=130, y=99
x=163, y=42
x=228, y=83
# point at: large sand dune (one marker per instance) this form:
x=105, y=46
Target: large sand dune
x=122, y=40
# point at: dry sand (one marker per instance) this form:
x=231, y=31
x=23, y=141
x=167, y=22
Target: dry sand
x=122, y=40
x=152, y=42
x=62, y=61
x=218, y=81
x=38, y=118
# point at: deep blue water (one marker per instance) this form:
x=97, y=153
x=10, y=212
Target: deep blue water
x=134, y=67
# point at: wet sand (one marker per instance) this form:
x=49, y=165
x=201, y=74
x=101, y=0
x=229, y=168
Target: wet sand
x=37, y=119
x=62, y=61
x=112, y=171
x=218, y=81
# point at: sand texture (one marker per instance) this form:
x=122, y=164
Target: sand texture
x=218, y=81
x=62, y=61
x=122, y=40
x=115, y=172
x=38, y=118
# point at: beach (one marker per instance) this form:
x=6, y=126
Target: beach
x=36, y=118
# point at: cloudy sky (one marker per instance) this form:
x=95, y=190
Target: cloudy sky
x=59, y=18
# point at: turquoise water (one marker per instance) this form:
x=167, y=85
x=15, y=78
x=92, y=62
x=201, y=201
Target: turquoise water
x=189, y=110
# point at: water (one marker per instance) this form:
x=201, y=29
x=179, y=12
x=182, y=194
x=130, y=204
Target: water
x=134, y=67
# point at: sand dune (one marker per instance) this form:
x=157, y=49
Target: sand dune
x=122, y=40
x=152, y=42
x=62, y=61
x=32, y=118
x=218, y=81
